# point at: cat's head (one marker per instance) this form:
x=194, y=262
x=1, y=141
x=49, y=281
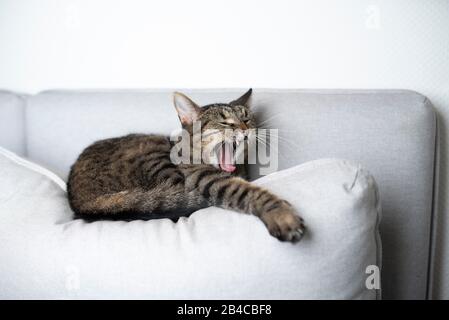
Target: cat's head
x=224, y=127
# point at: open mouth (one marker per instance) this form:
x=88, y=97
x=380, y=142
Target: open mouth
x=226, y=156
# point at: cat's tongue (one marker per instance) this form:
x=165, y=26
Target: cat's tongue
x=226, y=158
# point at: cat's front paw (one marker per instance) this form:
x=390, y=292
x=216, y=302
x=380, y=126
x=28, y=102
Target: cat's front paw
x=283, y=223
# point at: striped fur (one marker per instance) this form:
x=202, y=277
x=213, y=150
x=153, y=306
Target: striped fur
x=132, y=177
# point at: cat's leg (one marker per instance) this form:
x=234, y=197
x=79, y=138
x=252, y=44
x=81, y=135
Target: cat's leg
x=237, y=194
x=162, y=201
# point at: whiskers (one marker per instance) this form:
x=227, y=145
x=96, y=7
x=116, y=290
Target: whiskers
x=261, y=123
x=270, y=136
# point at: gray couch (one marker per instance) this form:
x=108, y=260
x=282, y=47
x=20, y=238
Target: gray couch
x=392, y=133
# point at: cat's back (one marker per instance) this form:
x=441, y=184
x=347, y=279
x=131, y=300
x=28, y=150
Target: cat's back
x=113, y=164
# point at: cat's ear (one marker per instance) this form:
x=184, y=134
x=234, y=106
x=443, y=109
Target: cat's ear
x=243, y=100
x=188, y=111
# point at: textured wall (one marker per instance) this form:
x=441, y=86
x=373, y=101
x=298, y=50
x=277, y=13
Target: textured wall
x=231, y=43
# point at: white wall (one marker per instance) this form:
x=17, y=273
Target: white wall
x=234, y=43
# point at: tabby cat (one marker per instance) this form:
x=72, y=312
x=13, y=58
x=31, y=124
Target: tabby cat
x=133, y=177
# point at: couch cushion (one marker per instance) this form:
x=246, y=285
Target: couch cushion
x=214, y=254
x=390, y=132
x=12, y=122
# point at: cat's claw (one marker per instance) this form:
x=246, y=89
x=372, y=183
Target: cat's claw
x=284, y=224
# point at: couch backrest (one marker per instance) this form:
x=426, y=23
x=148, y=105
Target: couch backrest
x=12, y=122
x=391, y=133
